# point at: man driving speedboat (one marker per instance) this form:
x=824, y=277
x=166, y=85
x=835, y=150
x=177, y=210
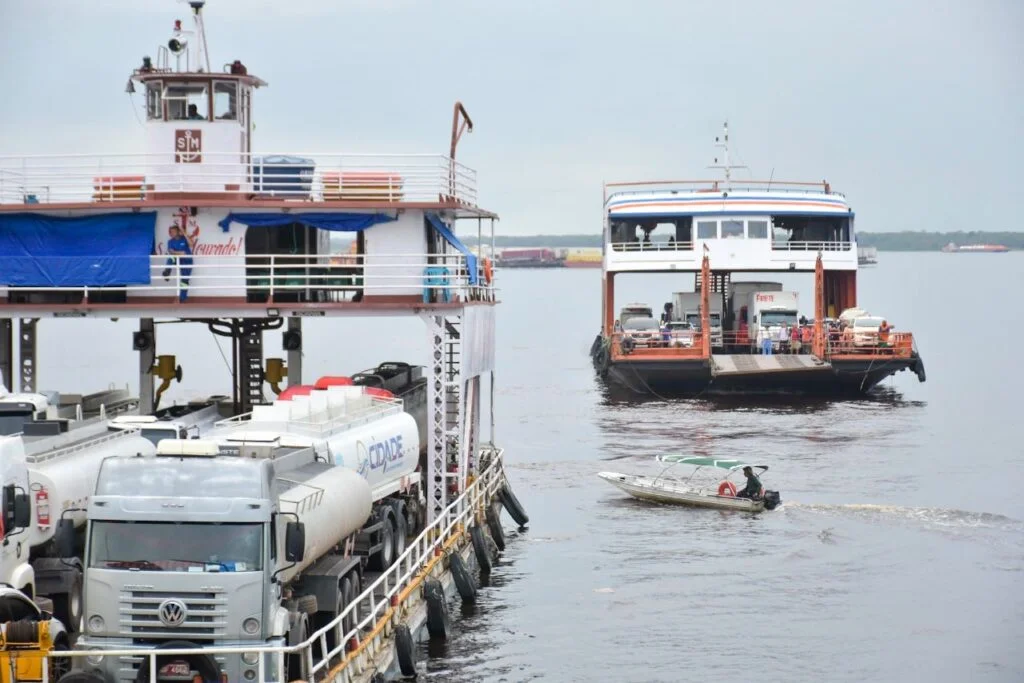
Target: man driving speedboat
x=753, y=487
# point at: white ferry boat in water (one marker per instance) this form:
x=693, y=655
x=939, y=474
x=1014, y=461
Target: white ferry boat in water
x=732, y=331
x=318, y=534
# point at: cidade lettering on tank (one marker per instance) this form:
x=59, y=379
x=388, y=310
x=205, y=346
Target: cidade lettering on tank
x=381, y=455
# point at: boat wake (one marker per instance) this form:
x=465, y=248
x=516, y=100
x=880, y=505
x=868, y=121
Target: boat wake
x=933, y=517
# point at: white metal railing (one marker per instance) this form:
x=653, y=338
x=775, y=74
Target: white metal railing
x=643, y=187
x=308, y=278
x=380, y=407
x=368, y=611
x=386, y=178
x=811, y=246
x=106, y=438
x=652, y=246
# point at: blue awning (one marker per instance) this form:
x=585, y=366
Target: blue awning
x=105, y=250
x=446, y=233
x=335, y=222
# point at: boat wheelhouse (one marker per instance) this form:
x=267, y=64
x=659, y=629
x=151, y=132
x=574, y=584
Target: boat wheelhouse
x=721, y=232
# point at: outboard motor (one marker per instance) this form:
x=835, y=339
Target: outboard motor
x=771, y=500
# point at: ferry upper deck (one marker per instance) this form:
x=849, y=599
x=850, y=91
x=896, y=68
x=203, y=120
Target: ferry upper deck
x=743, y=226
x=197, y=225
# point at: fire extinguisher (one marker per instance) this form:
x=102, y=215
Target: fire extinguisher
x=43, y=507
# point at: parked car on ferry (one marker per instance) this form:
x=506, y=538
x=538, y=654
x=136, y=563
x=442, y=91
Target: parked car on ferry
x=641, y=331
x=865, y=331
x=680, y=333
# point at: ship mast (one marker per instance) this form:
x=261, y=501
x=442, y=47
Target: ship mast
x=723, y=142
x=196, y=51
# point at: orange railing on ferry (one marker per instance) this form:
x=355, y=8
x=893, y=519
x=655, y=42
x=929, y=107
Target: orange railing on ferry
x=630, y=347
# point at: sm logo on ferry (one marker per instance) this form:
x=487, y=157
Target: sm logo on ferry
x=188, y=146
x=383, y=453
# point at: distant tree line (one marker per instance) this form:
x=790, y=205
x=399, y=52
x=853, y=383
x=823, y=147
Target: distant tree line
x=883, y=241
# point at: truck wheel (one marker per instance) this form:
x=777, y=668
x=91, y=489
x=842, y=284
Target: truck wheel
x=306, y=604
x=68, y=606
x=59, y=666
x=294, y=664
x=383, y=558
x=346, y=597
x=399, y=535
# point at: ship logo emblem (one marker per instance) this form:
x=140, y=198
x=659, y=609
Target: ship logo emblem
x=188, y=146
x=172, y=612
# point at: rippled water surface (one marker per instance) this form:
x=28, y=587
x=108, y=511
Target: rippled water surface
x=898, y=554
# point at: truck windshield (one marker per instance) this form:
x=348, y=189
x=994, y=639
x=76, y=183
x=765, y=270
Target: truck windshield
x=773, y=318
x=156, y=434
x=176, y=547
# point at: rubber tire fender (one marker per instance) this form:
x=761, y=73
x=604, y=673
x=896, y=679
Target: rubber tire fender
x=84, y=676
x=464, y=581
x=438, y=620
x=405, y=650
x=493, y=515
x=205, y=665
x=483, y=553
x=512, y=505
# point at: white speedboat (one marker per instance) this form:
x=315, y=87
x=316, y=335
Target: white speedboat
x=717, y=492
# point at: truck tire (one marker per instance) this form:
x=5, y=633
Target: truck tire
x=294, y=664
x=512, y=505
x=383, y=558
x=60, y=666
x=493, y=515
x=405, y=650
x=68, y=606
x=480, y=547
x=204, y=665
x=399, y=534
x=438, y=621
x=464, y=581
x=347, y=595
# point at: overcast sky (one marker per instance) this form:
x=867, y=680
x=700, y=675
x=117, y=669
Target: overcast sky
x=915, y=110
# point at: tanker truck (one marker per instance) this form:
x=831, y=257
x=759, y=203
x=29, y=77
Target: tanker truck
x=61, y=471
x=257, y=533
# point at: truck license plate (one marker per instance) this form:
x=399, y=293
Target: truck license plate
x=176, y=669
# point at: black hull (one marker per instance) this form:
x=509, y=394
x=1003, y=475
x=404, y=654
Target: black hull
x=690, y=378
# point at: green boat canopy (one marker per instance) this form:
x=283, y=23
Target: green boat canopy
x=699, y=461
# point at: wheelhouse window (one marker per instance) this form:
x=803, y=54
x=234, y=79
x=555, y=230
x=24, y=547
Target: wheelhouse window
x=225, y=101
x=187, y=102
x=732, y=229
x=154, y=103
x=757, y=230
x=651, y=233
x=707, y=230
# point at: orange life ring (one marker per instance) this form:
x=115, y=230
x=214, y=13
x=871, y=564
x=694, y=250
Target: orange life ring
x=727, y=486
x=488, y=271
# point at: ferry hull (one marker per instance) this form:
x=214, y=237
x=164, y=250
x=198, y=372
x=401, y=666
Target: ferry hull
x=690, y=378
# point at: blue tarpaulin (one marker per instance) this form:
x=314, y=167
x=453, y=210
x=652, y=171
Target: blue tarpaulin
x=454, y=241
x=105, y=250
x=335, y=222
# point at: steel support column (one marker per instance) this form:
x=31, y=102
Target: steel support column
x=295, y=355
x=7, y=354
x=445, y=411
x=147, y=357
x=27, y=355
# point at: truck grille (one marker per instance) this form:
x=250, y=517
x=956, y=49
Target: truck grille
x=205, y=616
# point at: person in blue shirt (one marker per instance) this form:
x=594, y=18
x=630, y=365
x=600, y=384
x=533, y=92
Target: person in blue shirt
x=181, y=252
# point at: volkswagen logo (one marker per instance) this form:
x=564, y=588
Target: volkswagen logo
x=172, y=612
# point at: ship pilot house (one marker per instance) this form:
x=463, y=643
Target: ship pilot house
x=199, y=217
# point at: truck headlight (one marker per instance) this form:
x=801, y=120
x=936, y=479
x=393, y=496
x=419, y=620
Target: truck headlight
x=251, y=626
x=96, y=623
x=94, y=660
x=251, y=658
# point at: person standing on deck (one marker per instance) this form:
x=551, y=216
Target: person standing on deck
x=181, y=252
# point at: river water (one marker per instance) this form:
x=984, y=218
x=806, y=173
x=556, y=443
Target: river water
x=898, y=552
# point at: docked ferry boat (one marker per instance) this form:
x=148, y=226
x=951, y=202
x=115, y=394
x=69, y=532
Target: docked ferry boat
x=736, y=330
x=199, y=228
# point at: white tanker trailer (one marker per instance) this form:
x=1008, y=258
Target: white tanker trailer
x=363, y=429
